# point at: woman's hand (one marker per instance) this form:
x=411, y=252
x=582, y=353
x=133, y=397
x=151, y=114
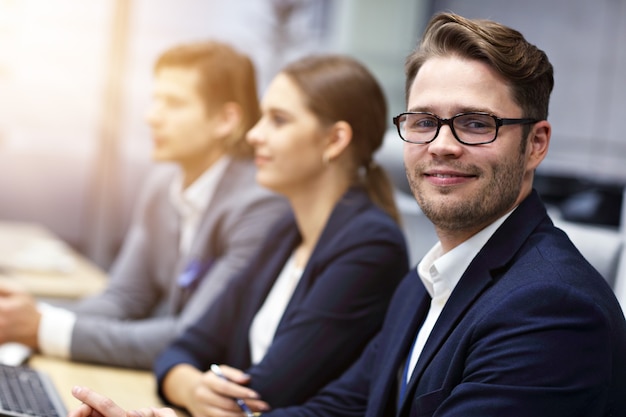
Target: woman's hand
x=215, y=396
x=96, y=405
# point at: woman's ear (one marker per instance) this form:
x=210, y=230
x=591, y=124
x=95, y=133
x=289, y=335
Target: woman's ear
x=339, y=138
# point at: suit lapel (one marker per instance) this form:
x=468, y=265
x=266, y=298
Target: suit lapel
x=234, y=173
x=353, y=201
x=482, y=271
x=461, y=299
x=399, y=340
x=205, y=251
x=284, y=241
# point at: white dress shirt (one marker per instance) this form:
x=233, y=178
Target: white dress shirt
x=440, y=273
x=57, y=324
x=192, y=202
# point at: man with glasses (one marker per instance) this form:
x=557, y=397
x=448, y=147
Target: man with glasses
x=503, y=316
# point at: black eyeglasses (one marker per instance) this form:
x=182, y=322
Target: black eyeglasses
x=473, y=128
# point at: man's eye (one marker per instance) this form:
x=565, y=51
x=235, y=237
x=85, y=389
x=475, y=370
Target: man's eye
x=421, y=123
x=475, y=122
x=426, y=123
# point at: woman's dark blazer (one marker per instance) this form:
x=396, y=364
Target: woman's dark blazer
x=337, y=307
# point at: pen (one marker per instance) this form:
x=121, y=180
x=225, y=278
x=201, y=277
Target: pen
x=241, y=403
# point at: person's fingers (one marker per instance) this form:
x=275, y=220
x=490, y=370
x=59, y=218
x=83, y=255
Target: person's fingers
x=228, y=389
x=99, y=403
x=226, y=386
x=165, y=412
x=210, y=396
x=142, y=412
x=258, y=406
x=235, y=375
x=223, y=394
x=217, y=397
x=82, y=410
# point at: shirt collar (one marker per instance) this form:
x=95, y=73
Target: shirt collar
x=196, y=197
x=440, y=272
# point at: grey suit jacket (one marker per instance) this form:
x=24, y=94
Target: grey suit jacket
x=144, y=307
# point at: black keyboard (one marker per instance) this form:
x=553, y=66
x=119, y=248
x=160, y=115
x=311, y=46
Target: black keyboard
x=22, y=392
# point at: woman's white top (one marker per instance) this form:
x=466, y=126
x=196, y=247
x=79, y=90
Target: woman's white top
x=267, y=318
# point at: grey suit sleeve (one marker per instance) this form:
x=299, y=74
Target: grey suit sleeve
x=148, y=256
x=136, y=342
x=130, y=292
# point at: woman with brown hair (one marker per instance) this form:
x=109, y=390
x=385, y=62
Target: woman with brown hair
x=304, y=309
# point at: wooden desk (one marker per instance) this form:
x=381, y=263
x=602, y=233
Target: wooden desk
x=33, y=258
x=74, y=277
x=131, y=389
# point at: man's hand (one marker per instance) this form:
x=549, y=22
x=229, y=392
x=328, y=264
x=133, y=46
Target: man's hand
x=19, y=317
x=96, y=405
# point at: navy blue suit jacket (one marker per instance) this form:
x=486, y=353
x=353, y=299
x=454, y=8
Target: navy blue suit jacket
x=337, y=307
x=530, y=330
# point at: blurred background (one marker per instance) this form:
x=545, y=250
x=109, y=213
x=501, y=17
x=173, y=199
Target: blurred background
x=76, y=78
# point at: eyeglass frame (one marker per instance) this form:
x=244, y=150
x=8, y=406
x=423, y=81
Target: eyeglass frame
x=500, y=121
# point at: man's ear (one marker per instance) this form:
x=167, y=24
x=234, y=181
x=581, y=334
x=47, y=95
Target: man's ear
x=228, y=119
x=340, y=136
x=538, y=143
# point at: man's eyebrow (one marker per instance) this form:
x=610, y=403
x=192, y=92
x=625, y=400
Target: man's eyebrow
x=418, y=109
x=464, y=109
